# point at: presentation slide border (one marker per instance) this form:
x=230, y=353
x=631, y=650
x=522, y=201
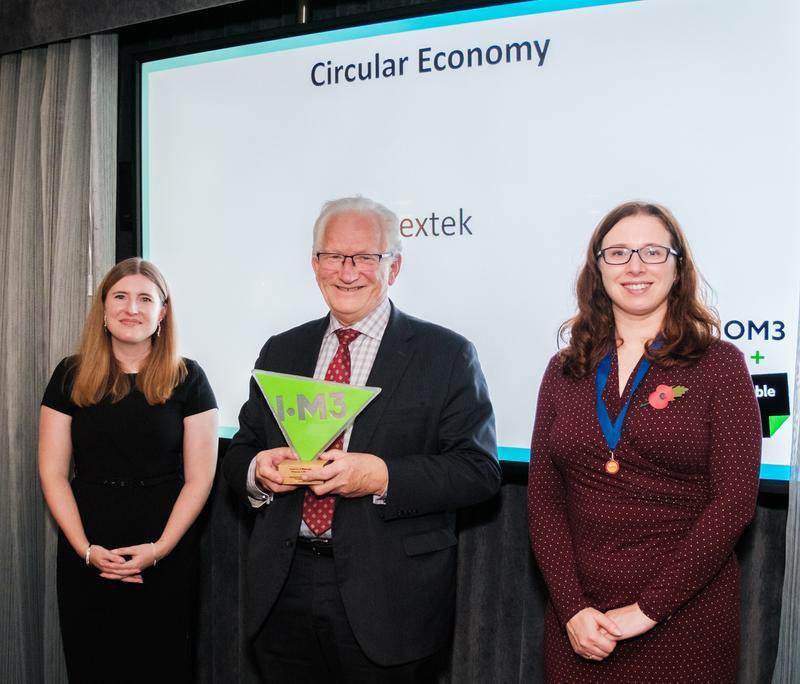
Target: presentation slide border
x=520, y=455
x=512, y=454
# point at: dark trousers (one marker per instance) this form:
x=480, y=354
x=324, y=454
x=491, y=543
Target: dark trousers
x=308, y=640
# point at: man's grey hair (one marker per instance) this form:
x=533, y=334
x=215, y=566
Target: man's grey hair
x=387, y=220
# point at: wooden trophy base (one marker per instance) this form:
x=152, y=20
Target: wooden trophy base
x=292, y=471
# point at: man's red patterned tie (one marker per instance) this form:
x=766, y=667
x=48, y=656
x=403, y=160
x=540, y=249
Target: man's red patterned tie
x=318, y=510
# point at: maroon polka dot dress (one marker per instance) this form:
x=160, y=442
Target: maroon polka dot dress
x=661, y=532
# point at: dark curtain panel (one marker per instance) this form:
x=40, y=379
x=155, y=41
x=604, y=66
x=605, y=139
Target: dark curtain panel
x=501, y=595
x=30, y=23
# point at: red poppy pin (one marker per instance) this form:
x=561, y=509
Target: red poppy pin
x=664, y=394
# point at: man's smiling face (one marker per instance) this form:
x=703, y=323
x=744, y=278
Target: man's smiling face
x=351, y=291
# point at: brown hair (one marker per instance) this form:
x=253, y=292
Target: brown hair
x=689, y=325
x=97, y=374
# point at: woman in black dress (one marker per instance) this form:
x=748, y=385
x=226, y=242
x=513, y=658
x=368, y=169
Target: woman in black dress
x=139, y=425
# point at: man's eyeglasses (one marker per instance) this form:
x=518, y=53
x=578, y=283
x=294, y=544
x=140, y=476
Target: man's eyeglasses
x=649, y=254
x=362, y=262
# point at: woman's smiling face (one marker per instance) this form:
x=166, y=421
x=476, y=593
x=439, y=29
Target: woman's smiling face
x=636, y=288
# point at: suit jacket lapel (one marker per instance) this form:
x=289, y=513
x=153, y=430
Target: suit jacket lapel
x=390, y=364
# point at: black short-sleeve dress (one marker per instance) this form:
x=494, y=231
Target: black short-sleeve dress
x=128, y=473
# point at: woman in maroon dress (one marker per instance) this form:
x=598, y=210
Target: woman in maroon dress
x=644, y=468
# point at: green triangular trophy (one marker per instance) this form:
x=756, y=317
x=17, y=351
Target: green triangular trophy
x=311, y=414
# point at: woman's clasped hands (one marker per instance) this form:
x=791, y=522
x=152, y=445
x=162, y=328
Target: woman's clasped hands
x=123, y=564
x=594, y=635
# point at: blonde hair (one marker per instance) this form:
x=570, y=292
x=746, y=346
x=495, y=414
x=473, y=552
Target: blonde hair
x=97, y=373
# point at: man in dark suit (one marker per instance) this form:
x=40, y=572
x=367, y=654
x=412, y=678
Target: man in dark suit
x=353, y=580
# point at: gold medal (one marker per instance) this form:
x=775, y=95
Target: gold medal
x=612, y=465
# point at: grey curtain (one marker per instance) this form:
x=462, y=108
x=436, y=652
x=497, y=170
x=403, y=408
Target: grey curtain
x=501, y=595
x=787, y=662
x=57, y=184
